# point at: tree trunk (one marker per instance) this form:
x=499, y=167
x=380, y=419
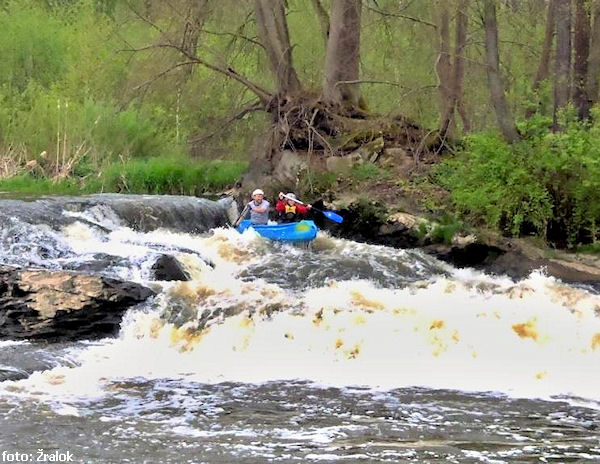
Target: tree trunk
x=582, y=51
x=343, y=53
x=562, y=63
x=594, y=56
x=273, y=31
x=457, y=71
x=323, y=18
x=503, y=113
x=460, y=48
x=194, y=21
x=543, y=71
x=444, y=71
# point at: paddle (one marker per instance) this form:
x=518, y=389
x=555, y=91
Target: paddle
x=328, y=214
x=242, y=214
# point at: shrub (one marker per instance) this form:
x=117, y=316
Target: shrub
x=546, y=184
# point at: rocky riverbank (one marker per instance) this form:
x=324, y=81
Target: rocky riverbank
x=60, y=305
x=484, y=250
x=376, y=190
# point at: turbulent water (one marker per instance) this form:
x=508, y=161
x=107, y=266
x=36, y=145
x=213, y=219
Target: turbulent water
x=340, y=352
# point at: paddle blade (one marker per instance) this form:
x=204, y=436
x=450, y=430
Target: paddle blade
x=333, y=216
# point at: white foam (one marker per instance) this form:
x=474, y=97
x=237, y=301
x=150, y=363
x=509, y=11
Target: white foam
x=473, y=332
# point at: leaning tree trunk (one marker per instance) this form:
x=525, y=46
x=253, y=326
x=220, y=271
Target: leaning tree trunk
x=543, y=71
x=580, y=65
x=594, y=56
x=340, y=85
x=196, y=15
x=562, y=63
x=273, y=31
x=506, y=121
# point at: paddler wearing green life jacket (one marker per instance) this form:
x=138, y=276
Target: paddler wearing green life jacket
x=289, y=210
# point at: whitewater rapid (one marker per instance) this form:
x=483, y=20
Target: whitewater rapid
x=337, y=314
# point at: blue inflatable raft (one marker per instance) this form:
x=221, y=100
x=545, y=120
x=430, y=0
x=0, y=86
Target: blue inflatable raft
x=293, y=232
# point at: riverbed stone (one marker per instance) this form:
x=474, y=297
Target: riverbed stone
x=167, y=268
x=63, y=305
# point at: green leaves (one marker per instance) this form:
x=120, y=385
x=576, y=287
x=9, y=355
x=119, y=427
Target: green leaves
x=547, y=184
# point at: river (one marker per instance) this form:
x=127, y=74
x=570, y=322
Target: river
x=340, y=352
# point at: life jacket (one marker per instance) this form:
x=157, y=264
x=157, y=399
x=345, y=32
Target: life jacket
x=290, y=214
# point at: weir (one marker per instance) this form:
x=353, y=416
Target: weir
x=364, y=324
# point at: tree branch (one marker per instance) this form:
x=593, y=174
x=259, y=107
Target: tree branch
x=233, y=34
x=263, y=94
x=398, y=15
x=367, y=81
x=256, y=106
x=163, y=73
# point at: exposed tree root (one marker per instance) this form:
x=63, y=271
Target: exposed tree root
x=305, y=123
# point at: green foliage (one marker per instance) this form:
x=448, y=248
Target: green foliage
x=547, y=184
x=176, y=176
x=172, y=176
x=439, y=232
x=590, y=248
x=369, y=213
x=366, y=171
x=444, y=233
x=33, y=46
x=27, y=184
x=317, y=183
x=42, y=120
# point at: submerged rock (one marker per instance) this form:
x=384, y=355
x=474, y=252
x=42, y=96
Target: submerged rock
x=63, y=305
x=167, y=268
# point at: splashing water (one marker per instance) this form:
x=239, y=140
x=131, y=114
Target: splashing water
x=366, y=324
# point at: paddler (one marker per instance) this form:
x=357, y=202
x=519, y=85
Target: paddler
x=289, y=209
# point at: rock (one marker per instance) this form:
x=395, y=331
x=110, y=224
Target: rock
x=518, y=265
x=409, y=221
x=287, y=166
x=464, y=240
x=371, y=150
x=168, y=268
x=343, y=164
x=63, y=305
x=515, y=258
x=397, y=158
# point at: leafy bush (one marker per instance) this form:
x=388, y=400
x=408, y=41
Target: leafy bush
x=547, y=184
x=33, y=47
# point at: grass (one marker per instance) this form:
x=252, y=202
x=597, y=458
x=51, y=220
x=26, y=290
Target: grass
x=175, y=176
x=591, y=248
x=28, y=184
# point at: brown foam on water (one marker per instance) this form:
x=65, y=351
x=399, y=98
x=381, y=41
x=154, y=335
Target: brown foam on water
x=526, y=330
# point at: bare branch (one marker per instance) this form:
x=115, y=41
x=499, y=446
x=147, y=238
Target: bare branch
x=163, y=73
x=225, y=69
x=367, y=81
x=398, y=15
x=233, y=34
x=256, y=106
